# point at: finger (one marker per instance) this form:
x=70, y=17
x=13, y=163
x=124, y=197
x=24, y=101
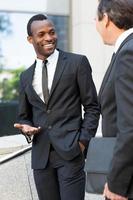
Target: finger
x=37, y=130
x=104, y=193
x=16, y=125
x=105, y=187
x=33, y=131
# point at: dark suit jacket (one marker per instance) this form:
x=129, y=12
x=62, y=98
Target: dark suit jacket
x=61, y=120
x=116, y=101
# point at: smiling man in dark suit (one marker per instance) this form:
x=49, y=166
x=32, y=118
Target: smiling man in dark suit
x=50, y=112
x=114, y=22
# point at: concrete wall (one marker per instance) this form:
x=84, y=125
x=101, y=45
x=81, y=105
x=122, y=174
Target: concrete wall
x=60, y=7
x=86, y=40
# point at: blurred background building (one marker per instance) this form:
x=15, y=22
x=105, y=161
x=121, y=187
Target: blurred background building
x=75, y=25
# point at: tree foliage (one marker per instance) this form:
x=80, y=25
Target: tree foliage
x=5, y=23
x=9, y=87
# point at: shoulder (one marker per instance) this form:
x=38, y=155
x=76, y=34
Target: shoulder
x=27, y=74
x=73, y=56
x=29, y=70
x=124, y=59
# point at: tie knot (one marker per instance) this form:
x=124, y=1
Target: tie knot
x=45, y=62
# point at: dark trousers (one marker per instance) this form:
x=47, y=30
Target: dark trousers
x=61, y=179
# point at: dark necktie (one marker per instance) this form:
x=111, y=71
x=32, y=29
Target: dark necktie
x=45, y=82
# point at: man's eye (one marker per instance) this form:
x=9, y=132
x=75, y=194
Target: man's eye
x=52, y=32
x=40, y=35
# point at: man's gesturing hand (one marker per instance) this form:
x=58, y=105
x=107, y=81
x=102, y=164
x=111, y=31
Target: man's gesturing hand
x=27, y=129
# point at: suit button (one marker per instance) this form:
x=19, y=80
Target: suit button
x=48, y=111
x=49, y=127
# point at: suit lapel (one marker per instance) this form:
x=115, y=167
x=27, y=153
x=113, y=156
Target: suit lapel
x=31, y=72
x=58, y=72
x=30, y=79
x=105, y=79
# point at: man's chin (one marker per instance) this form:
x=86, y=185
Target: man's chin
x=49, y=52
x=46, y=54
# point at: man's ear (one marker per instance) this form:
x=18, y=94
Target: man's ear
x=29, y=38
x=106, y=20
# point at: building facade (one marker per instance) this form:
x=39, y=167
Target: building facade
x=75, y=24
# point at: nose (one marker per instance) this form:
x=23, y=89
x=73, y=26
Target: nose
x=48, y=37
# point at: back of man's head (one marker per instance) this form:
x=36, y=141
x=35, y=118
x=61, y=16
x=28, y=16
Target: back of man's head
x=120, y=12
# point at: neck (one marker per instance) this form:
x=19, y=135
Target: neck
x=115, y=32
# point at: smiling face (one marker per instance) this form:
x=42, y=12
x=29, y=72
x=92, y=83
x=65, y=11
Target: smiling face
x=43, y=38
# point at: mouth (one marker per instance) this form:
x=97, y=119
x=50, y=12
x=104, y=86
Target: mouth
x=51, y=45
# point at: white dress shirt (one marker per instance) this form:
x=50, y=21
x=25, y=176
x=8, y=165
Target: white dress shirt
x=51, y=67
x=121, y=38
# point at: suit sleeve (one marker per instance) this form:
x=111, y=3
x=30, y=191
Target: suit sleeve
x=89, y=101
x=121, y=170
x=25, y=111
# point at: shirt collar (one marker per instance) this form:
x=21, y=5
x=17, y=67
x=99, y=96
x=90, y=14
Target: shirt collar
x=53, y=56
x=121, y=38
x=50, y=59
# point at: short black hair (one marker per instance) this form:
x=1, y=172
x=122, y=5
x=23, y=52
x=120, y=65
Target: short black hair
x=120, y=12
x=37, y=17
